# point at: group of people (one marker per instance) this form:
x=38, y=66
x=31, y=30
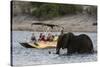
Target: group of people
x=42, y=37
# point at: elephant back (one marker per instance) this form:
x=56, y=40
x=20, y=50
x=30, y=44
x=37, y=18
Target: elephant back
x=86, y=42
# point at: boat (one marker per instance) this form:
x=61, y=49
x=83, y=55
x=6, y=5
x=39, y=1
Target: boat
x=39, y=44
x=42, y=44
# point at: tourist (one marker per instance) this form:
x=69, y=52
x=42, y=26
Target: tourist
x=42, y=37
x=33, y=38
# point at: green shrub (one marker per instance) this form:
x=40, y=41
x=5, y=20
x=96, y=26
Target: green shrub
x=49, y=11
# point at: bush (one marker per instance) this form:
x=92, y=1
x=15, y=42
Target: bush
x=48, y=11
x=92, y=10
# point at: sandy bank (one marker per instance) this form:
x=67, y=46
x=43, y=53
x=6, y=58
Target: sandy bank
x=72, y=23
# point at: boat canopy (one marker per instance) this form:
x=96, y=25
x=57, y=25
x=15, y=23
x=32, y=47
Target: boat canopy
x=46, y=24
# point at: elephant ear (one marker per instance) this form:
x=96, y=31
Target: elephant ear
x=66, y=38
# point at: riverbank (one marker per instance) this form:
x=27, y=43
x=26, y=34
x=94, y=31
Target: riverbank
x=71, y=23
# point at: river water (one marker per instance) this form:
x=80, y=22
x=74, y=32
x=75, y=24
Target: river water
x=22, y=56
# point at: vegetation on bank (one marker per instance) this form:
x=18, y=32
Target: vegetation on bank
x=51, y=10
x=45, y=11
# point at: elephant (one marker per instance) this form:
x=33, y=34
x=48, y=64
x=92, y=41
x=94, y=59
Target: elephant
x=74, y=43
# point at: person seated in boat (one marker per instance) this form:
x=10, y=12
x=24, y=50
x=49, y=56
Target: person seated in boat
x=42, y=37
x=33, y=38
x=50, y=37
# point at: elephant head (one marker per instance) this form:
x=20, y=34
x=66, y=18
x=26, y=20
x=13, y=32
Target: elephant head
x=66, y=38
x=63, y=41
